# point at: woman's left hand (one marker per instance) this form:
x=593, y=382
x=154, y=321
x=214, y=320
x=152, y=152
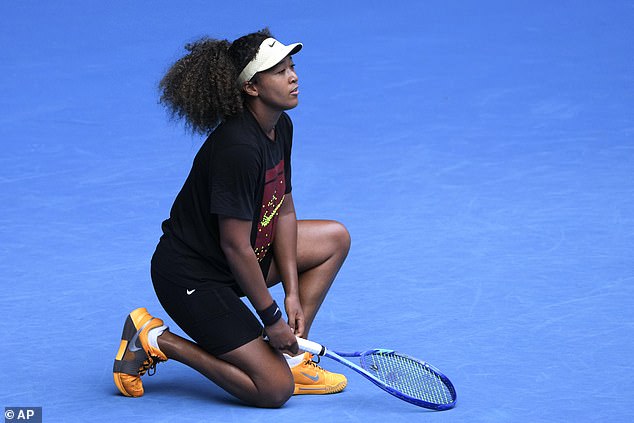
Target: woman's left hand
x=295, y=314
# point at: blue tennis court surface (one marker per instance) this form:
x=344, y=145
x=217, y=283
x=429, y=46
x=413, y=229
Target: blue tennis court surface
x=480, y=153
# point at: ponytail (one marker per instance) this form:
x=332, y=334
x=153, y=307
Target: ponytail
x=201, y=87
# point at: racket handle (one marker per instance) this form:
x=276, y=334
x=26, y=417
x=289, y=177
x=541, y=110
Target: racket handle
x=310, y=346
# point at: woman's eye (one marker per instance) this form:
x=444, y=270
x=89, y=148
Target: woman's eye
x=283, y=70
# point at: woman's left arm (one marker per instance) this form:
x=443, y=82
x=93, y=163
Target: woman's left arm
x=285, y=253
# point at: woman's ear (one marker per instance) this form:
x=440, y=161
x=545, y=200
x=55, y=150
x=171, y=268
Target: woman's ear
x=250, y=88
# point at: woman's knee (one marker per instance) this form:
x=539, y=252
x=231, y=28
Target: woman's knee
x=321, y=241
x=276, y=394
x=341, y=237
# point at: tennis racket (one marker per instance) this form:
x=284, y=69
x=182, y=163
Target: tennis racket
x=405, y=377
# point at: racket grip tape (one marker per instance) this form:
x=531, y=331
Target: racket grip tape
x=311, y=347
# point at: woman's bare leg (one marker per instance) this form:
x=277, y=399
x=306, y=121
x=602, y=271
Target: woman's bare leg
x=322, y=247
x=254, y=372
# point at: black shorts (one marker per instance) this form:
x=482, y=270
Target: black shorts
x=213, y=316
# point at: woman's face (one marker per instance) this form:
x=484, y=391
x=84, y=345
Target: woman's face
x=277, y=87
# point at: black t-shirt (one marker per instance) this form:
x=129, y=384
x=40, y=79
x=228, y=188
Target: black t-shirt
x=238, y=172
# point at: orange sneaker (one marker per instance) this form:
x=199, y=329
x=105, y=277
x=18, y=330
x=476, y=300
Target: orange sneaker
x=136, y=356
x=310, y=378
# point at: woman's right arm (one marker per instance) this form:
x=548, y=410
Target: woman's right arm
x=235, y=241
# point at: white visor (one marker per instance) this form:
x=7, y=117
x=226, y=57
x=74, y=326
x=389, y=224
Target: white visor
x=270, y=53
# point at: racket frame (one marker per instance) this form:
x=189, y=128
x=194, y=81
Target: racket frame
x=322, y=351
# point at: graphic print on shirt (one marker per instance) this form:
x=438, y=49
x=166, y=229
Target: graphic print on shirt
x=272, y=199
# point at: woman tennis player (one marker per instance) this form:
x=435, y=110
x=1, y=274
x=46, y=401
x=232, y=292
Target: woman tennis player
x=232, y=232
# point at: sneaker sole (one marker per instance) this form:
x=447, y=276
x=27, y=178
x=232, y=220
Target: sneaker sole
x=319, y=389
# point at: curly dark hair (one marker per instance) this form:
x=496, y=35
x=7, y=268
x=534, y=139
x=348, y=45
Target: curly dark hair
x=201, y=88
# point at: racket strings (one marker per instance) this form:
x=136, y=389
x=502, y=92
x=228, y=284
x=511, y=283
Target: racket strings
x=411, y=377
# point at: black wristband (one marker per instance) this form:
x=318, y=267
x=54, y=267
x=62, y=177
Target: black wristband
x=270, y=315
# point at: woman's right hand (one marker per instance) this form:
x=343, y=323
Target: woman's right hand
x=281, y=337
